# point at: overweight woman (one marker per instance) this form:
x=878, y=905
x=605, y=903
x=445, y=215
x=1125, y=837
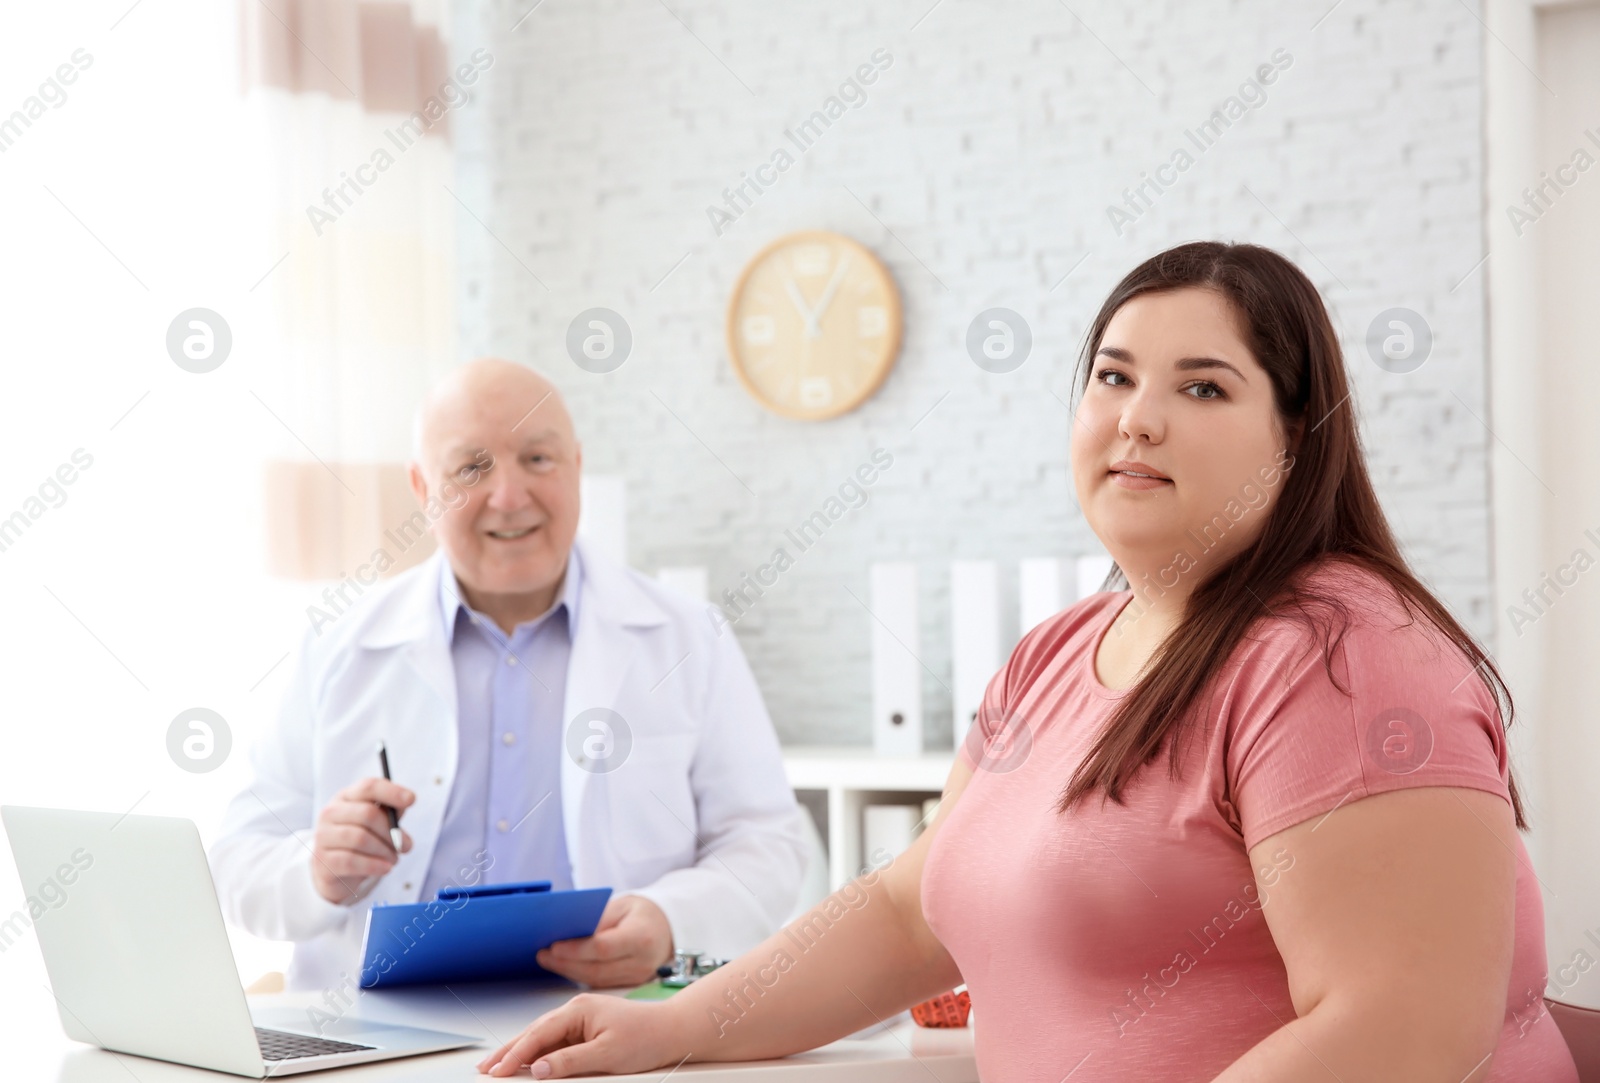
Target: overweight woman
x=1249, y=818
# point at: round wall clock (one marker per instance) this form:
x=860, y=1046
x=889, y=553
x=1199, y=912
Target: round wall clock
x=813, y=325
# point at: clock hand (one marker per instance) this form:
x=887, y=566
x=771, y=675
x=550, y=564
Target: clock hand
x=800, y=305
x=827, y=297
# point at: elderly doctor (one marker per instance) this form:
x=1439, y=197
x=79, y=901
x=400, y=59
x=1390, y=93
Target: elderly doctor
x=548, y=714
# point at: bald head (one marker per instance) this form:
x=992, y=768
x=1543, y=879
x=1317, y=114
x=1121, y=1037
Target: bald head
x=488, y=389
x=495, y=469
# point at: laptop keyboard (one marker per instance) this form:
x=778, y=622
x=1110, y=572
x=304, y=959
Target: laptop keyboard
x=281, y=1045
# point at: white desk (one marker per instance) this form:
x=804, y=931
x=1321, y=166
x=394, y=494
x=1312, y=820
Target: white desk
x=902, y=1053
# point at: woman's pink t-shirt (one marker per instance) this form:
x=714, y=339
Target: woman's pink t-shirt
x=1126, y=942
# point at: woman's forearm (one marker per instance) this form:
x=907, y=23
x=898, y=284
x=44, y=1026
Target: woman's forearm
x=858, y=957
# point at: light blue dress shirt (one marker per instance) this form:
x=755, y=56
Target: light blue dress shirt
x=509, y=694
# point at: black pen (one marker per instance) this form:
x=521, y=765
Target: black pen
x=394, y=817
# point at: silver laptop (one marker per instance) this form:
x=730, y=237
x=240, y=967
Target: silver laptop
x=140, y=962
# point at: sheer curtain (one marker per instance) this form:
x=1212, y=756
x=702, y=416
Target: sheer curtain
x=351, y=103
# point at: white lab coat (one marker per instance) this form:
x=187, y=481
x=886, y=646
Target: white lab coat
x=699, y=818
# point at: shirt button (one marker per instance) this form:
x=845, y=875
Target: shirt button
x=438, y=780
x=408, y=885
x=503, y=825
x=511, y=659
x=508, y=738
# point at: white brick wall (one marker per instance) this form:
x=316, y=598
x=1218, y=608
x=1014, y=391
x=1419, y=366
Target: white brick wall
x=991, y=149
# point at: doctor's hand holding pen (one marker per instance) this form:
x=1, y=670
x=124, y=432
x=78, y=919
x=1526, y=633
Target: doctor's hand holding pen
x=354, y=845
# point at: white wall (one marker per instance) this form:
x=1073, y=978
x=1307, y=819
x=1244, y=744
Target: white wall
x=1558, y=567
x=980, y=167
x=1541, y=86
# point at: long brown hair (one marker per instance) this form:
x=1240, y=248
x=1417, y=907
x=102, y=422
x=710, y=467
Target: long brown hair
x=1326, y=509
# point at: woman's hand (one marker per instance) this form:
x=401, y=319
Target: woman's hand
x=591, y=1034
x=883, y=951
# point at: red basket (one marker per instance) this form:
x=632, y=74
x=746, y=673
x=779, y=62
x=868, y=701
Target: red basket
x=944, y=1010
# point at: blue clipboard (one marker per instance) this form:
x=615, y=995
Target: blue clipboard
x=485, y=933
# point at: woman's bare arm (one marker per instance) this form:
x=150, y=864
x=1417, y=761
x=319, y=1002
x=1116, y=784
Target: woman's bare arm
x=1395, y=917
x=861, y=955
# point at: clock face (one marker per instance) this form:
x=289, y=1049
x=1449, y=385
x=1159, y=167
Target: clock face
x=813, y=325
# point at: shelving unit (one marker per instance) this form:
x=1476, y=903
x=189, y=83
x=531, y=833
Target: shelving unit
x=853, y=777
